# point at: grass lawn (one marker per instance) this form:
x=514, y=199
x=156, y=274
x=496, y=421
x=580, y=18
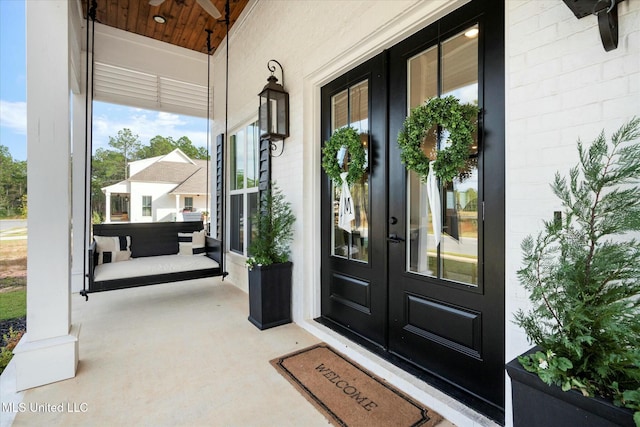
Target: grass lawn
x=13, y=266
x=13, y=304
x=13, y=291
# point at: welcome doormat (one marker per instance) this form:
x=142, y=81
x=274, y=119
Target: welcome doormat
x=347, y=394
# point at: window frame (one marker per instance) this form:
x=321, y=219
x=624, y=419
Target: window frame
x=188, y=206
x=237, y=242
x=150, y=205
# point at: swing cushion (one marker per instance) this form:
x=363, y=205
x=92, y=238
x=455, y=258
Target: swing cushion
x=152, y=266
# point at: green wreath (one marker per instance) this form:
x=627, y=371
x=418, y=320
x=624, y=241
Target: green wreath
x=344, y=137
x=458, y=119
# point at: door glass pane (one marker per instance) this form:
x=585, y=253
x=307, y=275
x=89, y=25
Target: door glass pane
x=351, y=108
x=339, y=118
x=459, y=246
x=423, y=84
x=456, y=258
x=423, y=77
x=359, y=119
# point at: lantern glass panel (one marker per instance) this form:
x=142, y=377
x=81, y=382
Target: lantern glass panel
x=264, y=114
x=273, y=113
x=282, y=112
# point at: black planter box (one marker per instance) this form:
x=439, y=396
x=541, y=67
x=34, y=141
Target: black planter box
x=536, y=404
x=270, y=295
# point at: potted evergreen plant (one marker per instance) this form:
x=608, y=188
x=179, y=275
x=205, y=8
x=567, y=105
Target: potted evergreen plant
x=269, y=265
x=583, y=275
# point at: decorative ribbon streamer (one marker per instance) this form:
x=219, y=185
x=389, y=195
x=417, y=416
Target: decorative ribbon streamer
x=433, y=194
x=345, y=210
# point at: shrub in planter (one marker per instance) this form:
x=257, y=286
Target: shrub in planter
x=269, y=266
x=274, y=230
x=583, y=275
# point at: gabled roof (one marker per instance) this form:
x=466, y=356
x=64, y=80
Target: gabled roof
x=196, y=183
x=189, y=175
x=168, y=172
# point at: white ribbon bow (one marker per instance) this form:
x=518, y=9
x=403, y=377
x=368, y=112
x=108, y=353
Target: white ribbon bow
x=346, y=212
x=433, y=194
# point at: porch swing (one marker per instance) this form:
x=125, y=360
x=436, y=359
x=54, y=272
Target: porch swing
x=157, y=252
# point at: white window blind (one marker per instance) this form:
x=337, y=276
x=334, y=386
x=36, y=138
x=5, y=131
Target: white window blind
x=137, y=89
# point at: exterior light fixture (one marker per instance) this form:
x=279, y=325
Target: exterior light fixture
x=160, y=19
x=273, y=112
x=606, y=12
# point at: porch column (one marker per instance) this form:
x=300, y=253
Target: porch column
x=48, y=352
x=178, y=211
x=107, y=207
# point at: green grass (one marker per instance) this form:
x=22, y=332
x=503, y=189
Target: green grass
x=13, y=304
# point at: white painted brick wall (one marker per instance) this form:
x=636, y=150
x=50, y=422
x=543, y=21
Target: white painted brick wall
x=561, y=86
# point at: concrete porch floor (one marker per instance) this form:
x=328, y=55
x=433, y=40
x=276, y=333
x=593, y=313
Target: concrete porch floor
x=175, y=354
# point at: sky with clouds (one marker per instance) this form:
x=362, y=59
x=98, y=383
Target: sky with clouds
x=108, y=119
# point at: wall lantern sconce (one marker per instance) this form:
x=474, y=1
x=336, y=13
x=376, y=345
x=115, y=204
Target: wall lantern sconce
x=607, y=13
x=273, y=113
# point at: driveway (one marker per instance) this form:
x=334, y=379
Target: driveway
x=6, y=224
x=13, y=229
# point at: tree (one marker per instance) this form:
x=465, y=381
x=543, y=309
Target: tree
x=160, y=145
x=127, y=144
x=13, y=183
x=190, y=150
x=106, y=169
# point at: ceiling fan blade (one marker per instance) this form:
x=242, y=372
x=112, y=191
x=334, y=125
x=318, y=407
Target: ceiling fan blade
x=209, y=8
x=155, y=2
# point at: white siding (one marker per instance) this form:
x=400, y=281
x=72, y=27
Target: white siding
x=163, y=205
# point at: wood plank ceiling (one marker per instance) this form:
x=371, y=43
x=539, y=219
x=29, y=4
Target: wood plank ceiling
x=186, y=20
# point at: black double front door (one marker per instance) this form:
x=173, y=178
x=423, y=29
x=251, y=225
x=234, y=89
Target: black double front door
x=437, y=307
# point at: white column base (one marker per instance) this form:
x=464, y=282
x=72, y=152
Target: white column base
x=46, y=361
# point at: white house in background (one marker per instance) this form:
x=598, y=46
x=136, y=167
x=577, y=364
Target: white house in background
x=159, y=189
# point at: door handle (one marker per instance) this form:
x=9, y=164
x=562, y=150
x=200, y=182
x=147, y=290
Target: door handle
x=393, y=238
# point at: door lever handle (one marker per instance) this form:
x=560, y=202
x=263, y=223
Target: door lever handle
x=393, y=238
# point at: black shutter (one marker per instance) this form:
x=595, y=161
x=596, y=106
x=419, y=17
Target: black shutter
x=220, y=187
x=264, y=181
